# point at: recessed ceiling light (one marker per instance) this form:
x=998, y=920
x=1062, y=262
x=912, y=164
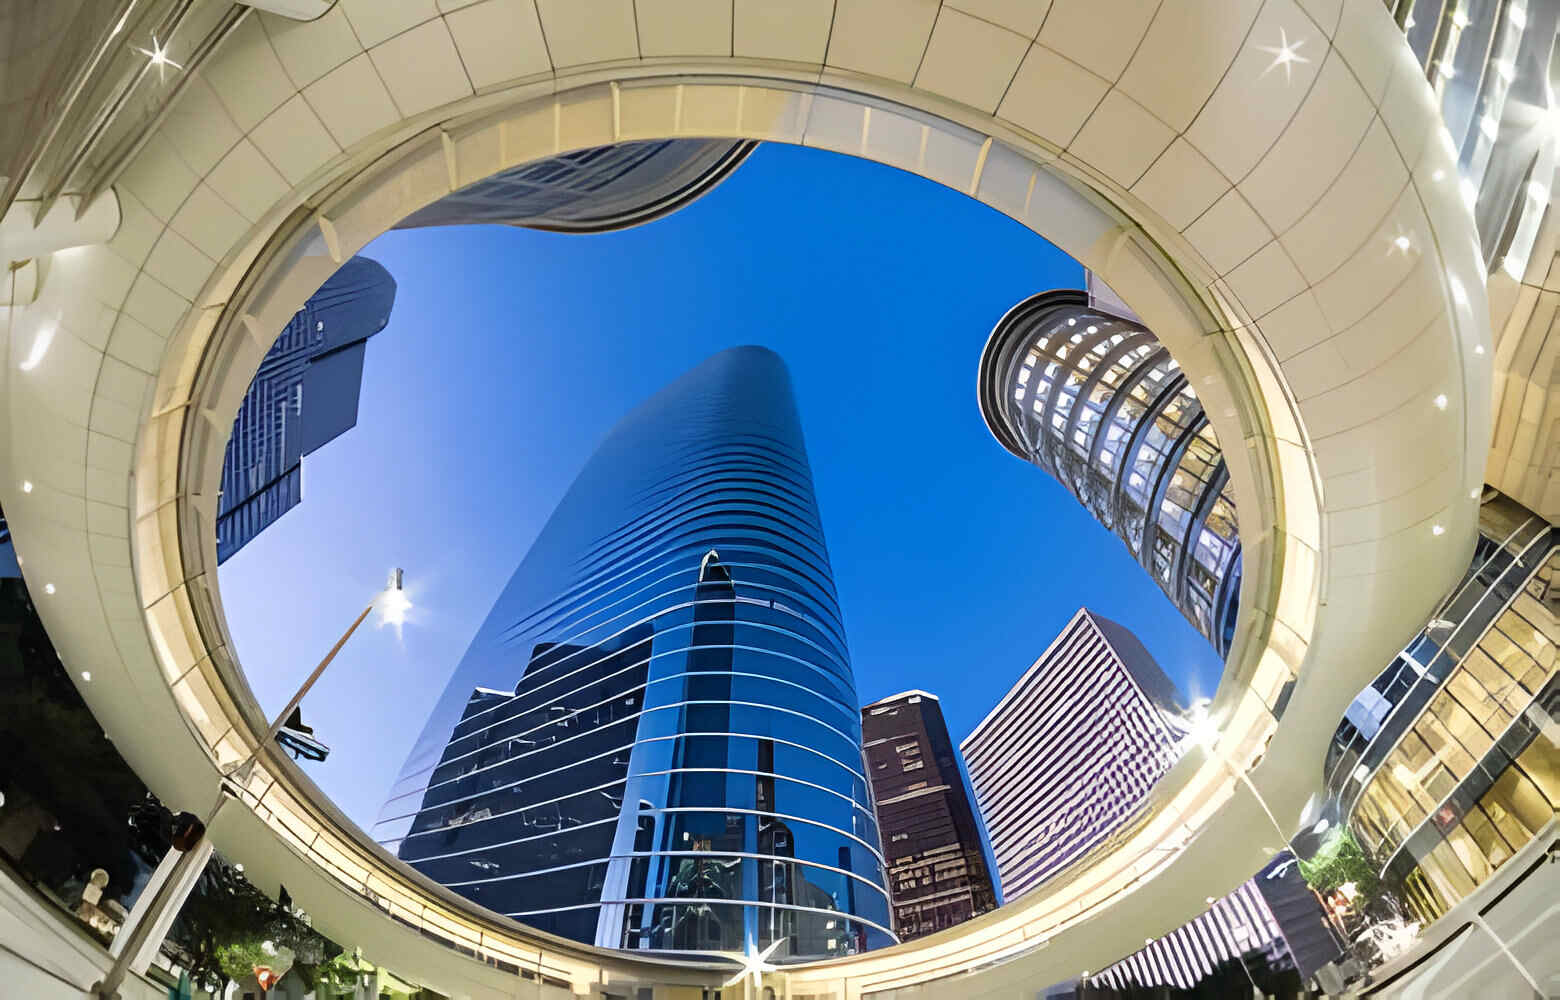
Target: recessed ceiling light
x=1210, y=900
x=48, y=588
x=86, y=675
x=1401, y=242
x=1093, y=329
x=1440, y=401
x=27, y=486
x=1438, y=529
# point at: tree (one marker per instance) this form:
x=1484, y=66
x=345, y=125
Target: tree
x=1339, y=861
x=226, y=924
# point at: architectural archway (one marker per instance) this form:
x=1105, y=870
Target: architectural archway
x=1319, y=283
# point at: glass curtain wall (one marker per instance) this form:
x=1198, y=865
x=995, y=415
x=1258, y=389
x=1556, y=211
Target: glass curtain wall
x=1446, y=765
x=654, y=740
x=1092, y=398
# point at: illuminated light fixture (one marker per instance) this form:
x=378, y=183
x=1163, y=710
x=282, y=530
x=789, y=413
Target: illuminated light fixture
x=1438, y=530
x=1460, y=18
x=157, y=55
x=1093, y=329
x=1209, y=900
x=1440, y=401
x=393, y=602
x=27, y=486
x=1072, y=321
x=48, y=588
x=1401, y=242
x=40, y=348
x=1285, y=54
x=754, y=964
x=86, y=675
x=1478, y=348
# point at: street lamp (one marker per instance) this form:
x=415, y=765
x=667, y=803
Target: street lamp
x=173, y=880
x=393, y=605
x=1205, y=733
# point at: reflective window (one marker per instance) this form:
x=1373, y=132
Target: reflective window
x=1094, y=400
x=1482, y=696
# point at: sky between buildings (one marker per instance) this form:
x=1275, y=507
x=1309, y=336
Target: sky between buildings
x=511, y=353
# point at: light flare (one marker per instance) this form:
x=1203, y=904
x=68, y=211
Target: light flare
x=1285, y=54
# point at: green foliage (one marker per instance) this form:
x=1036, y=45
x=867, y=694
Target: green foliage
x=238, y=959
x=1339, y=860
x=226, y=919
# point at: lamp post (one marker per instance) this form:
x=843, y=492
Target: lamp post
x=138, y=940
x=393, y=604
x=1204, y=733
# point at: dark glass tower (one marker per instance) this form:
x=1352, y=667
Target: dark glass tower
x=653, y=740
x=304, y=396
x=936, y=868
x=592, y=190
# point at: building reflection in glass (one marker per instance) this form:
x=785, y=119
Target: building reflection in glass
x=1090, y=396
x=653, y=741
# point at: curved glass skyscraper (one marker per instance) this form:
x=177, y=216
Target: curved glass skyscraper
x=1091, y=397
x=654, y=740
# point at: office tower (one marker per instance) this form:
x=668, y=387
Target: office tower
x=937, y=874
x=1071, y=751
x=304, y=395
x=592, y=190
x=1091, y=397
x=653, y=742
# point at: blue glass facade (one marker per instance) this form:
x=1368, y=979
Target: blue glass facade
x=654, y=741
x=304, y=395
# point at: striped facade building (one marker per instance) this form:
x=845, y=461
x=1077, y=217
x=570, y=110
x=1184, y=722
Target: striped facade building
x=1072, y=750
x=1238, y=927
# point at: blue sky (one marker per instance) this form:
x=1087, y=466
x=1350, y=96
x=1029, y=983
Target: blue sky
x=511, y=353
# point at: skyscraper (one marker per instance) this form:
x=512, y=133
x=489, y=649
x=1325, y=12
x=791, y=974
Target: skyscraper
x=304, y=395
x=1072, y=750
x=653, y=740
x=937, y=874
x=592, y=190
x=1074, y=383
